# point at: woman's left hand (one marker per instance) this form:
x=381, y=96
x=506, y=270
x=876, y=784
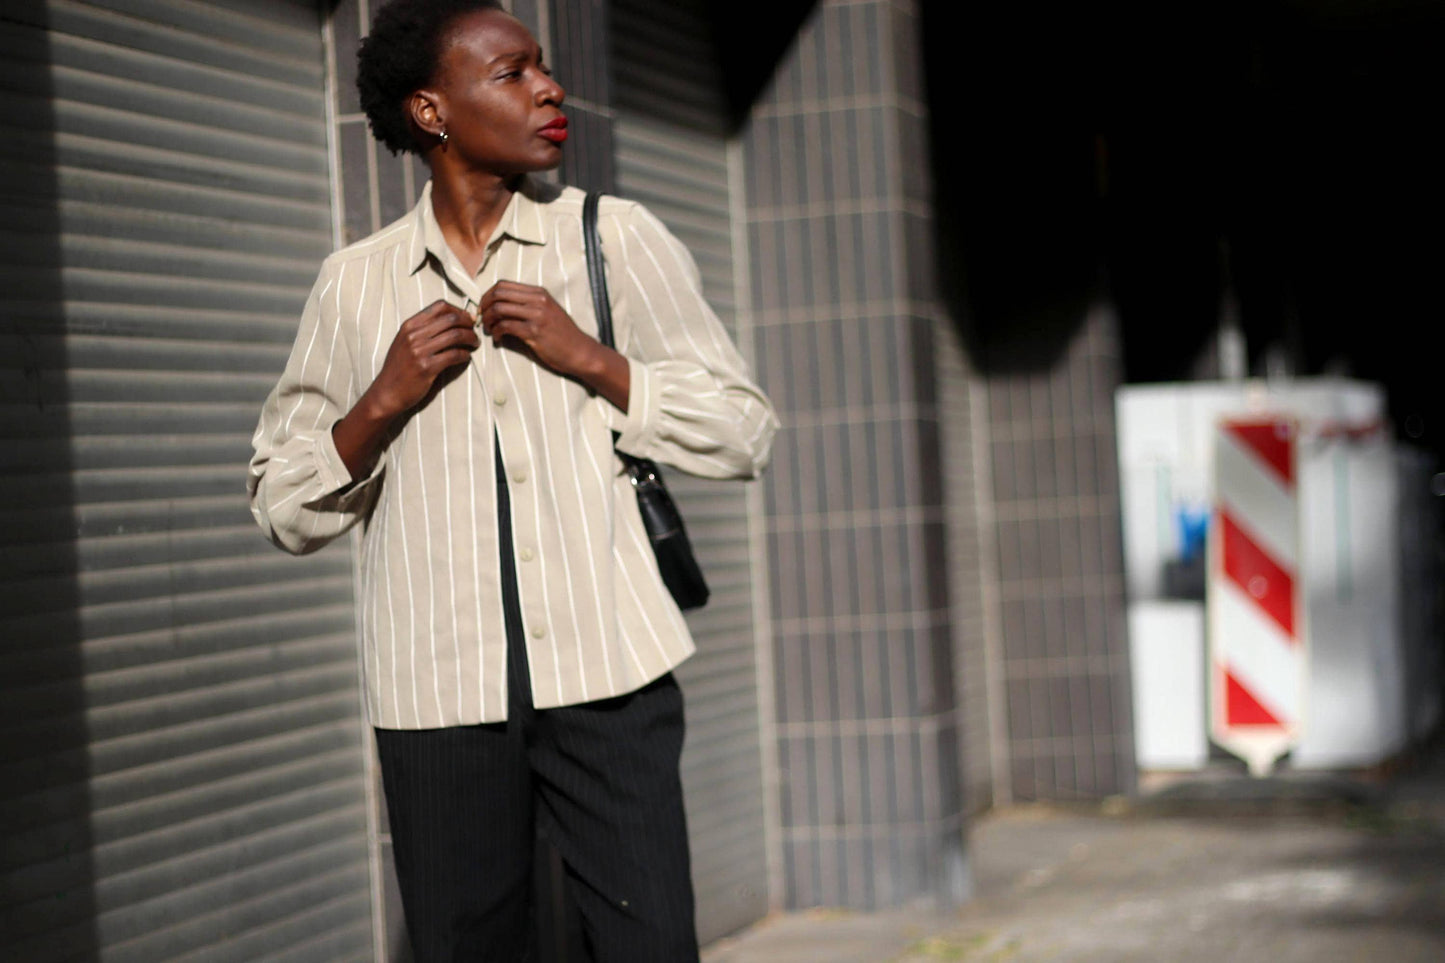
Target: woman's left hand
x=528, y=313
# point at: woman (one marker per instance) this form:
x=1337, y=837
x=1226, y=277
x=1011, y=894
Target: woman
x=447, y=393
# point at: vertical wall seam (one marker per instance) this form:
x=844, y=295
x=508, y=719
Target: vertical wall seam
x=375, y=870
x=994, y=688
x=377, y=892
x=757, y=539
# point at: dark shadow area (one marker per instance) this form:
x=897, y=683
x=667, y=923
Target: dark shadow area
x=1167, y=157
x=1017, y=208
x=1393, y=859
x=1401, y=872
x=715, y=73
x=47, y=877
x=752, y=36
x=584, y=69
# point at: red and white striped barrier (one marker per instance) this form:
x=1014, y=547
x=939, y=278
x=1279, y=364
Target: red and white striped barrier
x=1256, y=615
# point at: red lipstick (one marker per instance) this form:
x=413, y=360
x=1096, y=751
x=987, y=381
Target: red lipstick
x=554, y=130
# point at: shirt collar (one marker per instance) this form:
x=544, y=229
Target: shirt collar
x=522, y=221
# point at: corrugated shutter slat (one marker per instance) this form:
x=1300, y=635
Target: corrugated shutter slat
x=180, y=736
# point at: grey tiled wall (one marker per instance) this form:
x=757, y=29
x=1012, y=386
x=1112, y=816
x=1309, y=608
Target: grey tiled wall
x=962, y=397
x=1060, y=569
x=840, y=244
x=376, y=187
x=579, y=48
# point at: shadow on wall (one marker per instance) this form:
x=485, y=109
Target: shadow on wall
x=751, y=37
x=1017, y=203
x=1057, y=188
x=1168, y=157
x=48, y=904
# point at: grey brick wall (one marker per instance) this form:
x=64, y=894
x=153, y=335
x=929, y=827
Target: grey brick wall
x=840, y=241
x=1060, y=568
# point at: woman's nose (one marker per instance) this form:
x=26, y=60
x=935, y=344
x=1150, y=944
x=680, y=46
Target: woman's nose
x=550, y=92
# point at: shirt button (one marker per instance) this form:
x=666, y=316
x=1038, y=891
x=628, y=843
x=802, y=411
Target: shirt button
x=538, y=632
x=525, y=554
x=499, y=398
x=519, y=477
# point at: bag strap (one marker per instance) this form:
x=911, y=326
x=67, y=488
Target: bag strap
x=596, y=269
x=640, y=469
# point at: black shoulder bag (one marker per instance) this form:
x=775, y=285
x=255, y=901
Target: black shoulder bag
x=680, y=571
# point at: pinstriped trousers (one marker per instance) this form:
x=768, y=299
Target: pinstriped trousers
x=599, y=779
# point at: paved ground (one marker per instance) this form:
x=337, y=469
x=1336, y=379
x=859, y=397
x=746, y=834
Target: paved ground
x=1282, y=871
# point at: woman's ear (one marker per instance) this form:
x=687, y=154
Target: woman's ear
x=423, y=109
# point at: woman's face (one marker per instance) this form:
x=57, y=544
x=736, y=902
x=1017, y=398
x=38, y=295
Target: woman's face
x=496, y=99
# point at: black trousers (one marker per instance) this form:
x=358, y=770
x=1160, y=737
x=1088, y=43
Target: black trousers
x=600, y=780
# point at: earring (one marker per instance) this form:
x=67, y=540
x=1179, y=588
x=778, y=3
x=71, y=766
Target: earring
x=443, y=136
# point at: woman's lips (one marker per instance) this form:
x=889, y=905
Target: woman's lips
x=556, y=131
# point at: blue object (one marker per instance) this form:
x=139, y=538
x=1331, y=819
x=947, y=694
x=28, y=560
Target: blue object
x=1193, y=530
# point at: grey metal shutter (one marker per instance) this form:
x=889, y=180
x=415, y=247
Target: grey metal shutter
x=180, y=744
x=673, y=156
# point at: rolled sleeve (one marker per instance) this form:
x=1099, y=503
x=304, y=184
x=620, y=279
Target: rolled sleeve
x=331, y=470
x=302, y=494
x=693, y=403
x=639, y=426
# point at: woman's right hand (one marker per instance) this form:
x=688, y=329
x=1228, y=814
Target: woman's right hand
x=438, y=337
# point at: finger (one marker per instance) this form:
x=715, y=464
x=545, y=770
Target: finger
x=498, y=313
x=455, y=314
x=510, y=327
x=446, y=318
x=510, y=304
x=431, y=318
x=501, y=291
x=515, y=292
x=450, y=359
x=463, y=337
x=427, y=314
x=437, y=363
x=460, y=336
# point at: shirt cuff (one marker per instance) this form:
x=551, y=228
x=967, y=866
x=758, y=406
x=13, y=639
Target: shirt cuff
x=331, y=470
x=644, y=394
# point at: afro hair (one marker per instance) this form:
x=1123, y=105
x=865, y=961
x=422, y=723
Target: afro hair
x=399, y=57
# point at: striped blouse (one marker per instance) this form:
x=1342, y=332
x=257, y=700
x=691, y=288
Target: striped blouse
x=598, y=620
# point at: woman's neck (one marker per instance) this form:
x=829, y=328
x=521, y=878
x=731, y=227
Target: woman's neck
x=468, y=207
